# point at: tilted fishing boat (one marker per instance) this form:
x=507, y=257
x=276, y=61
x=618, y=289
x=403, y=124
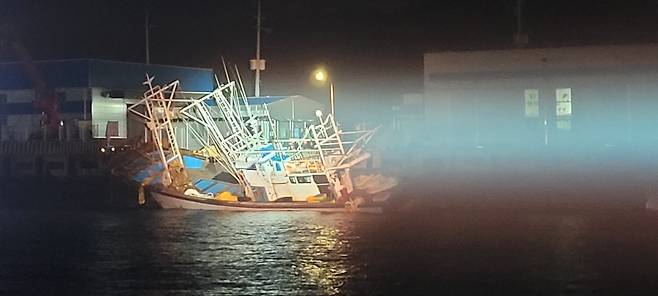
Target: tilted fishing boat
x=238, y=168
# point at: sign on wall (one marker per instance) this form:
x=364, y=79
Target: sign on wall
x=531, y=102
x=563, y=102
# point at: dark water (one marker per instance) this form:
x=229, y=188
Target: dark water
x=499, y=251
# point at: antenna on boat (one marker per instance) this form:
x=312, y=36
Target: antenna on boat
x=237, y=75
x=251, y=120
x=217, y=80
x=257, y=64
x=225, y=71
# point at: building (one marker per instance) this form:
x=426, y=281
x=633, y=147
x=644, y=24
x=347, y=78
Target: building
x=91, y=94
x=572, y=97
x=93, y=97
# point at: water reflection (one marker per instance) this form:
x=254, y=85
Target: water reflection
x=570, y=269
x=264, y=253
x=324, y=261
x=209, y=253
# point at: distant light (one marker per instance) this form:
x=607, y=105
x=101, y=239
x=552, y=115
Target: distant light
x=318, y=113
x=61, y=123
x=320, y=76
x=103, y=149
x=112, y=149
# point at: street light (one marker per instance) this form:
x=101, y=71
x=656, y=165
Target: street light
x=321, y=76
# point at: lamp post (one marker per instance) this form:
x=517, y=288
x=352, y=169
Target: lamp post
x=321, y=76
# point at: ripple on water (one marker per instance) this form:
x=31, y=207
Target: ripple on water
x=283, y=253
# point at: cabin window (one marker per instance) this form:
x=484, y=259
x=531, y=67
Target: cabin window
x=293, y=180
x=320, y=179
x=304, y=179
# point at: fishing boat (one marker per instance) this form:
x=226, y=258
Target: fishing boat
x=238, y=168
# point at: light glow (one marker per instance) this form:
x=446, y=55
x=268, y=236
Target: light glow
x=320, y=75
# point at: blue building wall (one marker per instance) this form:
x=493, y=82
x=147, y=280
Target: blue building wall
x=104, y=74
x=69, y=73
x=121, y=75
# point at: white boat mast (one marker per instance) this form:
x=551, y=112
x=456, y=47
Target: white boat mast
x=156, y=109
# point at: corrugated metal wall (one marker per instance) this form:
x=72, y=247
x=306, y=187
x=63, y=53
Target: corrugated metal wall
x=105, y=74
x=120, y=75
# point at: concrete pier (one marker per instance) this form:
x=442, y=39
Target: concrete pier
x=50, y=158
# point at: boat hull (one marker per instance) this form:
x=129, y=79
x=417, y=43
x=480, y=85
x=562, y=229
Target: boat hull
x=172, y=200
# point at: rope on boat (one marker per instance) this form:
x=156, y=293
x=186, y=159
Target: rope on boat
x=141, y=197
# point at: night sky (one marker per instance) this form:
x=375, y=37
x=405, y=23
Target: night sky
x=373, y=49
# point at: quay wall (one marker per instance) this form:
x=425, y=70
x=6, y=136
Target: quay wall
x=60, y=175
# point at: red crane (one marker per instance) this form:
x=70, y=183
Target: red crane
x=45, y=97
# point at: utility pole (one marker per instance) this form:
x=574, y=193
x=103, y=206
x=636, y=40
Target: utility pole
x=257, y=64
x=146, y=34
x=519, y=17
x=520, y=38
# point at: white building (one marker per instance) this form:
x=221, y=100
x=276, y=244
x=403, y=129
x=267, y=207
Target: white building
x=90, y=94
x=574, y=96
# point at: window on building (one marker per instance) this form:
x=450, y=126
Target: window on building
x=564, y=124
x=563, y=108
x=283, y=130
x=563, y=102
x=531, y=103
x=114, y=93
x=117, y=94
x=61, y=97
x=3, y=115
x=111, y=129
x=293, y=180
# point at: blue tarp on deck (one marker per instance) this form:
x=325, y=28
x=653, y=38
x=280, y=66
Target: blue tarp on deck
x=154, y=169
x=214, y=187
x=192, y=162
